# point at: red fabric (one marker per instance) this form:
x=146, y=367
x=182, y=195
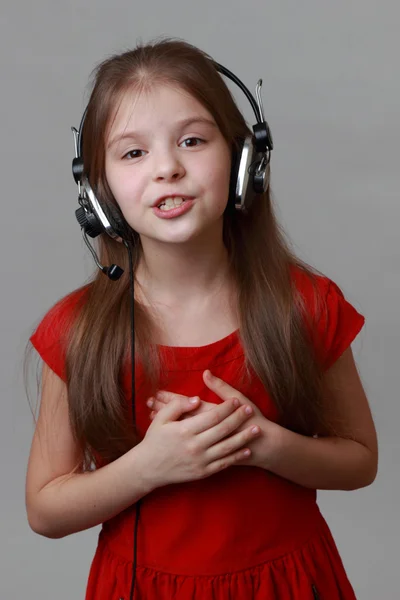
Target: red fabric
x=243, y=533
x=50, y=337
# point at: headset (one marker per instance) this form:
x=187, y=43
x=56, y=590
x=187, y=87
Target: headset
x=250, y=175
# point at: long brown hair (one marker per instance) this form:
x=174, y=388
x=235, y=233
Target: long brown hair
x=272, y=323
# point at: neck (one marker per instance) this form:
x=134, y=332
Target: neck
x=184, y=271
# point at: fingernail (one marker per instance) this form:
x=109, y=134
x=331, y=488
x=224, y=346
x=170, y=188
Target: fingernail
x=193, y=400
x=236, y=402
x=150, y=403
x=248, y=410
x=246, y=452
x=255, y=430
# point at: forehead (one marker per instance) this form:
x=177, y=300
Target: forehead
x=156, y=107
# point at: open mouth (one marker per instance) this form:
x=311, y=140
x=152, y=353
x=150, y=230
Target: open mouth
x=170, y=203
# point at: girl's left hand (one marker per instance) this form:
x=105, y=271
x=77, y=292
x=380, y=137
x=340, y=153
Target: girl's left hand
x=261, y=447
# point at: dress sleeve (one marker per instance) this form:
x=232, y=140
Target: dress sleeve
x=337, y=322
x=51, y=335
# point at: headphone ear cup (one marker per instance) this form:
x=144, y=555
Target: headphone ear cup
x=117, y=221
x=89, y=222
x=97, y=218
x=235, y=162
x=261, y=179
x=242, y=191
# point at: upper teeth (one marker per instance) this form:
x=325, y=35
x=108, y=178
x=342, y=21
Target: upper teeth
x=171, y=202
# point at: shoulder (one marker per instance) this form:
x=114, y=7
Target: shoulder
x=311, y=285
x=61, y=314
x=316, y=291
x=332, y=320
x=50, y=337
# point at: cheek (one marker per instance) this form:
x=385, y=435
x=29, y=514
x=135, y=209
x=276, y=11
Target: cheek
x=112, y=179
x=124, y=187
x=219, y=175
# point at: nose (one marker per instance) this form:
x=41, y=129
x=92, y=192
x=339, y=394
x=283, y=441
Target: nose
x=168, y=167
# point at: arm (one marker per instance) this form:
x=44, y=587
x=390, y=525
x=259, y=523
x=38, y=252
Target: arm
x=320, y=463
x=330, y=462
x=60, y=498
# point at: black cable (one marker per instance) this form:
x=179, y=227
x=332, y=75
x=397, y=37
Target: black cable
x=135, y=540
x=132, y=319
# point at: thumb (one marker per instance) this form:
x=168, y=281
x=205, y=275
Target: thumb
x=176, y=408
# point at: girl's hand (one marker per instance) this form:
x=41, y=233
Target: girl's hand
x=185, y=450
x=266, y=446
x=218, y=386
x=162, y=398
x=262, y=448
x=225, y=391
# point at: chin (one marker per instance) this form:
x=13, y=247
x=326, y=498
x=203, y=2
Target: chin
x=179, y=239
x=188, y=230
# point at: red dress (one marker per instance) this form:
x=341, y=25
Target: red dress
x=241, y=534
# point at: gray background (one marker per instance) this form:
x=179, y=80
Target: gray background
x=331, y=95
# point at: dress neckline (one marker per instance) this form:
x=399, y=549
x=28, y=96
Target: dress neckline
x=195, y=358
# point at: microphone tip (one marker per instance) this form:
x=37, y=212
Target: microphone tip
x=114, y=272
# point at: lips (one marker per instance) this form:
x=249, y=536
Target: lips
x=164, y=198
x=171, y=212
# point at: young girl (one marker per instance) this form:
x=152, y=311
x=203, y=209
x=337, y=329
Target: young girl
x=246, y=394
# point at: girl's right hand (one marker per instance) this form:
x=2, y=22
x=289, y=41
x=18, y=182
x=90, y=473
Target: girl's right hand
x=185, y=450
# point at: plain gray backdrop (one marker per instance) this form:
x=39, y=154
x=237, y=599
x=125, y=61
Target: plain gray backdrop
x=331, y=95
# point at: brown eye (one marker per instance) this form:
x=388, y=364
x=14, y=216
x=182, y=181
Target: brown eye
x=192, y=142
x=134, y=154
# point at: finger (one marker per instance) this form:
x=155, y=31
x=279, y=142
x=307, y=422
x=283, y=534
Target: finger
x=225, y=428
x=165, y=396
x=214, y=416
x=227, y=461
x=220, y=387
x=161, y=398
x=155, y=405
x=176, y=408
x=233, y=443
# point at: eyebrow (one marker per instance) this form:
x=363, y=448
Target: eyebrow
x=181, y=124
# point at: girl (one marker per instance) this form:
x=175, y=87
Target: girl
x=247, y=397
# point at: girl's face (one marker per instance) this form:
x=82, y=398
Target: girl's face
x=164, y=144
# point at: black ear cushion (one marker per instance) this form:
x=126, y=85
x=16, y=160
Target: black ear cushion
x=113, y=214
x=117, y=221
